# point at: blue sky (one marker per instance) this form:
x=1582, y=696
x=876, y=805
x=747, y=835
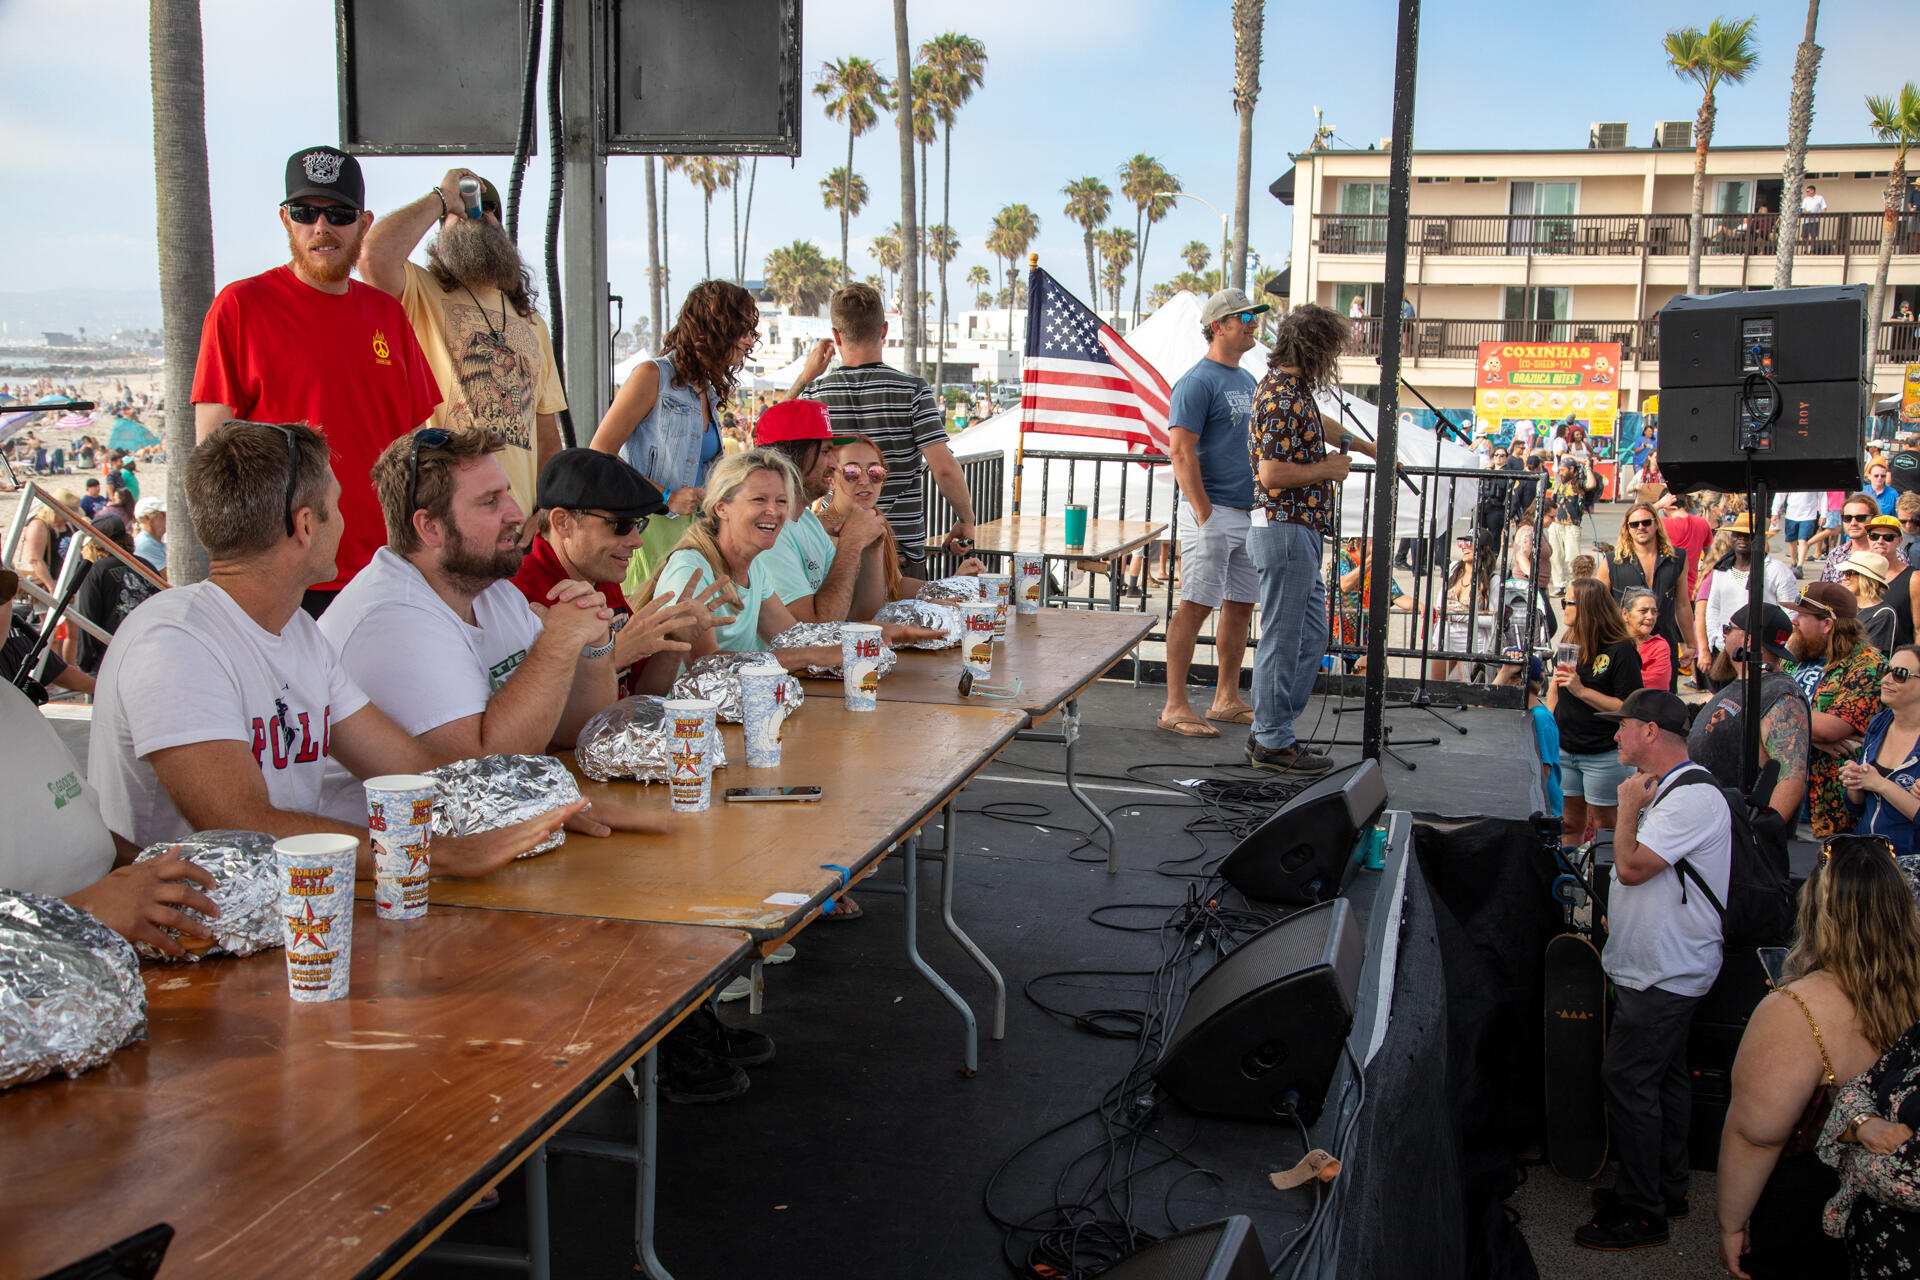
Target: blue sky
x=1072, y=89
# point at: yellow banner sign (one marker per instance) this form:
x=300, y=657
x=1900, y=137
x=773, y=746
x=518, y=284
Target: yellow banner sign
x=1550, y=382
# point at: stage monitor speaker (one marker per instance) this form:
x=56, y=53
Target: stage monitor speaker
x=1805, y=347
x=1301, y=854
x=1224, y=1250
x=1265, y=1025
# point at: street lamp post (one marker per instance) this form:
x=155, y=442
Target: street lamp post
x=1225, y=238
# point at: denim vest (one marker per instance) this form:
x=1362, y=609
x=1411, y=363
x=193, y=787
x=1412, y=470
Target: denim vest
x=665, y=445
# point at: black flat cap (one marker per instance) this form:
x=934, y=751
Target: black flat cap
x=588, y=480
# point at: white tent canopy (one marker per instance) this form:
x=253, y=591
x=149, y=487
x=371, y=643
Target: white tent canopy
x=1170, y=341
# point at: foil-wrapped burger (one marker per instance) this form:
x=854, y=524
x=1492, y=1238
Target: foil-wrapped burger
x=246, y=888
x=956, y=590
x=70, y=990
x=630, y=739
x=472, y=796
x=803, y=634
x=717, y=677
x=943, y=618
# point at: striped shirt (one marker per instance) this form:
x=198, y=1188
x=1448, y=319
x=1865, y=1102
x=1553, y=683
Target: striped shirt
x=897, y=411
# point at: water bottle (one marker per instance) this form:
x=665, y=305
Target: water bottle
x=470, y=196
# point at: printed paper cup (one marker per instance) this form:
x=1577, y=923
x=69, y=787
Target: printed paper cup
x=978, y=646
x=400, y=820
x=763, y=699
x=691, y=730
x=1027, y=581
x=998, y=588
x=316, y=913
x=860, y=665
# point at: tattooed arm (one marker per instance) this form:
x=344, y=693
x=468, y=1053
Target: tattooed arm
x=1785, y=736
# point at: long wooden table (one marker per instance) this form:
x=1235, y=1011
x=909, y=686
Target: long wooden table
x=1046, y=537
x=339, y=1139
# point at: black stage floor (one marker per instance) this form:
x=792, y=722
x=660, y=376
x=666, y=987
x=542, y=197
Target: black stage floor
x=862, y=1151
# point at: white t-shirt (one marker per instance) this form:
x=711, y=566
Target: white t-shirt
x=1800, y=505
x=1655, y=939
x=1523, y=436
x=1815, y=203
x=190, y=666
x=55, y=843
x=1727, y=594
x=418, y=660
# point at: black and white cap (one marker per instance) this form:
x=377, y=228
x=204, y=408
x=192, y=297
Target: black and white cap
x=326, y=171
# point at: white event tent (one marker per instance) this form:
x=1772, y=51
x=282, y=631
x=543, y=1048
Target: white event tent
x=1170, y=341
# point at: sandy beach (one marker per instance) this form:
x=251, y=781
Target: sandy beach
x=153, y=475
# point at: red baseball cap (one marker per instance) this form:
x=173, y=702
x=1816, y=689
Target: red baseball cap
x=795, y=419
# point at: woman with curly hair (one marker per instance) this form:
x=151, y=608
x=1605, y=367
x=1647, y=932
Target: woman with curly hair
x=665, y=420
x=1849, y=990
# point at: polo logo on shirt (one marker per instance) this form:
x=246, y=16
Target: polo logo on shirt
x=380, y=348
x=290, y=740
x=64, y=789
x=497, y=674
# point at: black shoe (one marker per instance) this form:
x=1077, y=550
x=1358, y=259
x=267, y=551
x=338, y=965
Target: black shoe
x=1617, y=1229
x=737, y=1045
x=1607, y=1200
x=1293, y=759
x=690, y=1074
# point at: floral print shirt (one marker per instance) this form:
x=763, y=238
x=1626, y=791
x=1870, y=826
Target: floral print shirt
x=1850, y=690
x=1285, y=427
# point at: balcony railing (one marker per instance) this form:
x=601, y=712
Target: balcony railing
x=1616, y=235
x=1423, y=339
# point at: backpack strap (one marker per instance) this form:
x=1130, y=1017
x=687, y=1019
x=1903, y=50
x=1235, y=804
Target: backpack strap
x=1698, y=776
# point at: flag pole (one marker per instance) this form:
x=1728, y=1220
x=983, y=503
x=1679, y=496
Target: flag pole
x=1020, y=437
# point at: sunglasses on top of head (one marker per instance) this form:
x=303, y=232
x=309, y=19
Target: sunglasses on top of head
x=337, y=215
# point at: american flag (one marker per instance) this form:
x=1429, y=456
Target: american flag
x=1080, y=379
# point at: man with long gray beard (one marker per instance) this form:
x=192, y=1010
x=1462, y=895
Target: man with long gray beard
x=471, y=307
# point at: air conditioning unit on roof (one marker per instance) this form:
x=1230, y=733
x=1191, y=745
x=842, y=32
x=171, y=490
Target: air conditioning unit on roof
x=1673, y=134
x=1608, y=136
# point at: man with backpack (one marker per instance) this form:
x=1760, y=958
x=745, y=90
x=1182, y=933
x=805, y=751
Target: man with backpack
x=1664, y=945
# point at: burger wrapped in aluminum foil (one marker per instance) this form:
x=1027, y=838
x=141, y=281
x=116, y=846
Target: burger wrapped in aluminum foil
x=802, y=634
x=630, y=739
x=70, y=989
x=246, y=888
x=955, y=590
x=717, y=676
x=498, y=791
x=944, y=618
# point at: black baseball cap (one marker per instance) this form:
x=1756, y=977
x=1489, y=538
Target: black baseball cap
x=588, y=480
x=1655, y=706
x=326, y=171
x=1775, y=627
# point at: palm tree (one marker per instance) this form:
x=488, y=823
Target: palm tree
x=1249, y=17
x=942, y=245
x=1196, y=255
x=730, y=175
x=753, y=176
x=656, y=287
x=669, y=165
x=910, y=220
x=1087, y=203
x=978, y=278
x=1896, y=120
x=1146, y=182
x=185, y=225
x=707, y=174
x=959, y=66
x=1793, y=175
x=846, y=193
x=1014, y=228
x=926, y=118
x=1162, y=293
x=854, y=90
x=1724, y=52
x=886, y=251
x=800, y=278
x=1116, y=246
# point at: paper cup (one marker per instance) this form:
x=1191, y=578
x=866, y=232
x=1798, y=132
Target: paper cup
x=978, y=646
x=400, y=820
x=691, y=780
x=860, y=665
x=998, y=588
x=316, y=913
x=763, y=698
x=1027, y=581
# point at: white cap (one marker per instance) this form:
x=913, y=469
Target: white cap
x=149, y=506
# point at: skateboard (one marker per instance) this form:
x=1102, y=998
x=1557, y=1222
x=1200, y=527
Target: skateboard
x=1575, y=1026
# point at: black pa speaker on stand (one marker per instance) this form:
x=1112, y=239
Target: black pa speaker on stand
x=1263, y=1028
x=1303, y=852
x=1224, y=1250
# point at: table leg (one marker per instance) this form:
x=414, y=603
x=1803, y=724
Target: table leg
x=910, y=865
x=948, y=856
x=1068, y=736
x=757, y=975
x=539, y=1252
x=645, y=1149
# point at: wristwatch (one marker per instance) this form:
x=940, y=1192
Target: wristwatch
x=1853, y=1125
x=599, y=650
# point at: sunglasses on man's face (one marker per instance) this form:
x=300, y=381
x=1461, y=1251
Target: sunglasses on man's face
x=1853, y=519
x=875, y=472
x=1882, y=535
x=622, y=526
x=1639, y=524
x=337, y=215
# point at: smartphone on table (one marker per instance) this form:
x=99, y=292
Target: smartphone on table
x=802, y=794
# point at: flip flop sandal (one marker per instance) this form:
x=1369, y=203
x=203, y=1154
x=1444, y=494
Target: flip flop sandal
x=1176, y=726
x=844, y=908
x=1242, y=716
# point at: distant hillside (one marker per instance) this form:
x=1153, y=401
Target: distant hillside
x=24, y=316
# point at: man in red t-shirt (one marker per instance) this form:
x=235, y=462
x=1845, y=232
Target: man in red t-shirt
x=595, y=508
x=1690, y=534
x=305, y=343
